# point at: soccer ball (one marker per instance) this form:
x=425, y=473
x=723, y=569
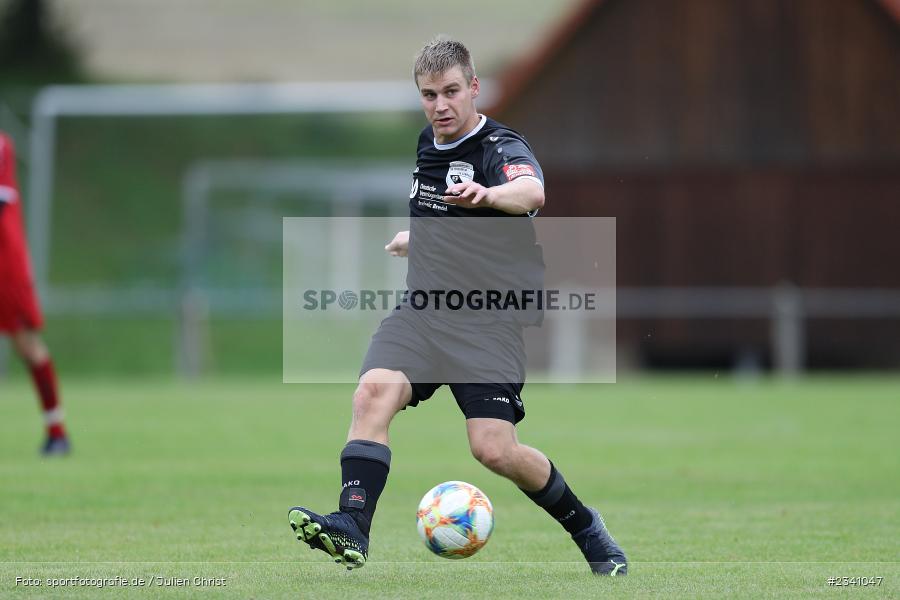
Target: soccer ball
x=455, y=519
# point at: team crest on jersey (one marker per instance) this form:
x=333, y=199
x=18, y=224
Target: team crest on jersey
x=460, y=172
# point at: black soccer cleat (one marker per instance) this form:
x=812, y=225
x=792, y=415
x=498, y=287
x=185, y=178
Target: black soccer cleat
x=56, y=446
x=600, y=549
x=336, y=534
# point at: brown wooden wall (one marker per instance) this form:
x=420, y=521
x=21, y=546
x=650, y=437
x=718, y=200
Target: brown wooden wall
x=816, y=228
x=738, y=144
x=650, y=82
x=813, y=227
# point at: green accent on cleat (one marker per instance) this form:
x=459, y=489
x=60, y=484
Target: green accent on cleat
x=354, y=559
x=311, y=532
x=329, y=546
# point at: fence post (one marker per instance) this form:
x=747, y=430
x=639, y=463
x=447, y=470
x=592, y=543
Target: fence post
x=568, y=344
x=193, y=334
x=788, y=330
x=192, y=339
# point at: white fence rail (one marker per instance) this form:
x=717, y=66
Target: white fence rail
x=786, y=308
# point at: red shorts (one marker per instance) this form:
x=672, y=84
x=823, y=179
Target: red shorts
x=19, y=308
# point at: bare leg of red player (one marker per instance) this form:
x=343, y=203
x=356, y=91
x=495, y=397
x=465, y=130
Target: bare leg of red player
x=31, y=348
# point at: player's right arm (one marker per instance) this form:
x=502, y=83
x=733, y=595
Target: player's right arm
x=399, y=246
x=513, y=174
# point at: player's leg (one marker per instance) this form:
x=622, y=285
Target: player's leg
x=366, y=458
x=494, y=444
x=380, y=395
x=365, y=463
x=33, y=352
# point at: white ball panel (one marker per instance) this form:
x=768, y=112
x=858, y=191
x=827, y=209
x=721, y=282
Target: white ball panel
x=453, y=501
x=420, y=526
x=483, y=522
x=427, y=499
x=450, y=537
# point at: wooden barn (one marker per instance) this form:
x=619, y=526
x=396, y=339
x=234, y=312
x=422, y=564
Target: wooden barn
x=740, y=145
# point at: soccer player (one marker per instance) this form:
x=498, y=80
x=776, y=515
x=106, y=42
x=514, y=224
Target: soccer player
x=468, y=165
x=20, y=315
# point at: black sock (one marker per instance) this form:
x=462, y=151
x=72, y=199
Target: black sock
x=364, y=470
x=563, y=505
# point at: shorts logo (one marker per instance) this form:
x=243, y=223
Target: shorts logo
x=460, y=172
x=515, y=171
x=498, y=399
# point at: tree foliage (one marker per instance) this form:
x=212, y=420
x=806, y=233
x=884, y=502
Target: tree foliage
x=34, y=47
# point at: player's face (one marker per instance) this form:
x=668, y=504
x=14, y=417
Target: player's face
x=449, y=103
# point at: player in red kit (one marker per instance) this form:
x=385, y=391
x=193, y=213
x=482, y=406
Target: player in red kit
x=20, y=315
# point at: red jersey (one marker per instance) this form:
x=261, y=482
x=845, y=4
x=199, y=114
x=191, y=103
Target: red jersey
x=18, y=304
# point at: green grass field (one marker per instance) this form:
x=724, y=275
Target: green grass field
x=717, y=489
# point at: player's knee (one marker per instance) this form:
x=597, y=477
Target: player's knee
x=372, y=401
x=30, y=347
x=365, y=399
x=492, y=456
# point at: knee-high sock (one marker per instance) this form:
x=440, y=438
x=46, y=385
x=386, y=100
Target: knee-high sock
x=364, y=470
x=561, y=503
x=44, y=377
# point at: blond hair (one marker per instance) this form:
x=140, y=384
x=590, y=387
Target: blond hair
x=442, y=54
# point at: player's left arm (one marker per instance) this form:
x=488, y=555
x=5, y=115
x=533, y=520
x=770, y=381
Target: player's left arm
x=514, y=178
x=516, y=197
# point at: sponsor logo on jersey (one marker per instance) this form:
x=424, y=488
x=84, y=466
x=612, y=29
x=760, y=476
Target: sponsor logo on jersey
x=415, y=187
x=515, y=171
x=460, y=172
x=433, y=205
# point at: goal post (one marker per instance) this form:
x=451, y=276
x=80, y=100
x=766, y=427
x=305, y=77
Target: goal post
x=54, y=102
x=348, y=187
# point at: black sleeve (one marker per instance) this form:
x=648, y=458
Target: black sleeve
x=507, y=157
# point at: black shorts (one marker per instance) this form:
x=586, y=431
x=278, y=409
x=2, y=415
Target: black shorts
x=483, y=366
